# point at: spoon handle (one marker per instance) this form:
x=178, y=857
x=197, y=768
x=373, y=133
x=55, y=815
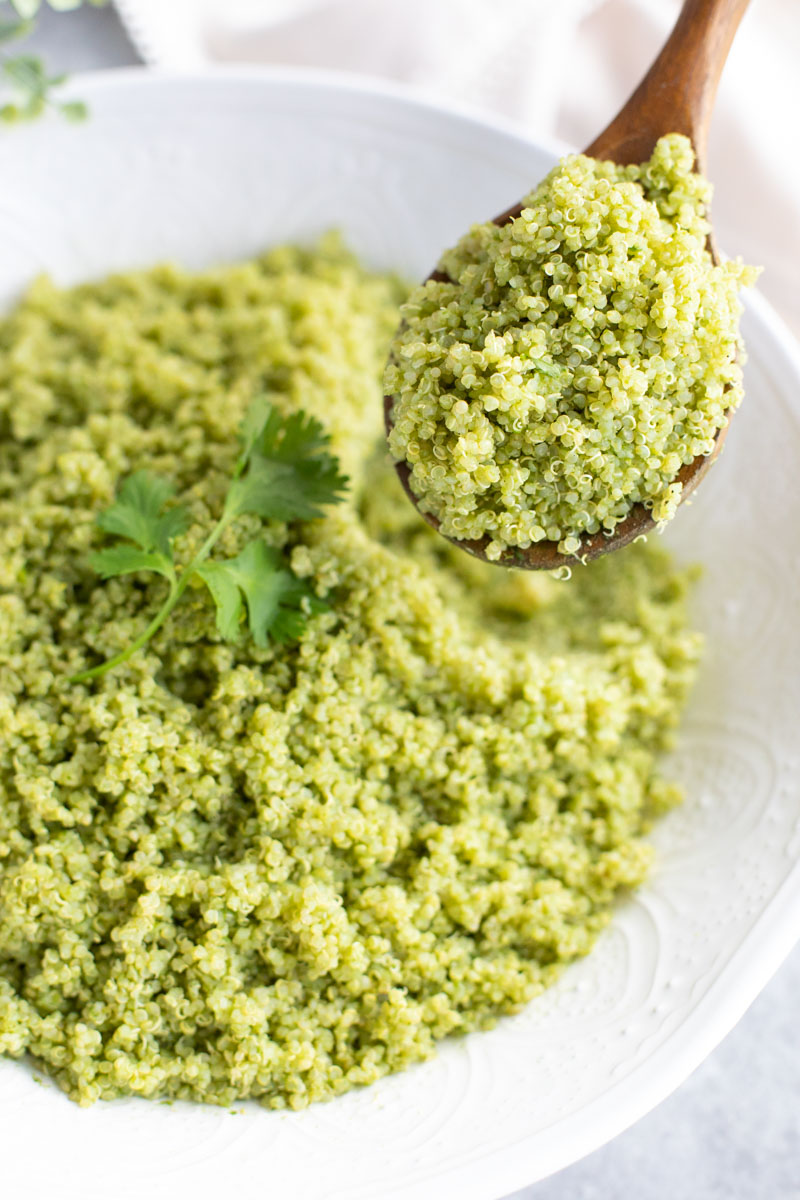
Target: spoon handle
x=677, y=93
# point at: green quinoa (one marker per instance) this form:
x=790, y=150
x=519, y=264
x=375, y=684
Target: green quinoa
x=575, y=358
x=231, y=872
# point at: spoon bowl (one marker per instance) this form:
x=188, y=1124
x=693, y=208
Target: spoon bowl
x=676, y=96
x=545, y=555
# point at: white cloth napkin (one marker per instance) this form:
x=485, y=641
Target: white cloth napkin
x=558, y=67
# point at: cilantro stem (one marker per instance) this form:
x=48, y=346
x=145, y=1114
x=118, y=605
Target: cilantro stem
x=178, y=585
x=158, y=620
x=206, y=548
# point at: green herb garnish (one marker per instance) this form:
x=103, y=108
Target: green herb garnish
x=284, y=473
x=32, y=84
x=9, y=30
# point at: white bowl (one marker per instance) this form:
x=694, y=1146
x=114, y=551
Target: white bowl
x=216, y=167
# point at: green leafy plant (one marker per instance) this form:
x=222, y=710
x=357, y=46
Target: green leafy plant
x=284, y=473
x=27, y=75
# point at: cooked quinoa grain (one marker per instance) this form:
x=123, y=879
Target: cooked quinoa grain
x=575, y=359
x=228, y=872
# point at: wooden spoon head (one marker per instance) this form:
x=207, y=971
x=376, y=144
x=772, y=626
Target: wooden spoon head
x=545, y=555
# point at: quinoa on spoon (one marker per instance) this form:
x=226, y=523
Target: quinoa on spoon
x=565, y=378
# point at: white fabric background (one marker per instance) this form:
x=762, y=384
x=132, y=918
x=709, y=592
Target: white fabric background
x=559, y=67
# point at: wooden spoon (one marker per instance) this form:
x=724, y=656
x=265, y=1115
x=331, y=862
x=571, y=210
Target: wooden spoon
x=675, y=96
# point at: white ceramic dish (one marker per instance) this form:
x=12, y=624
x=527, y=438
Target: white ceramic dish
x=215, y=167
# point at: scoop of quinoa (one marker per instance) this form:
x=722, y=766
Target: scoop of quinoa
x=231, y=872
x=573, y=360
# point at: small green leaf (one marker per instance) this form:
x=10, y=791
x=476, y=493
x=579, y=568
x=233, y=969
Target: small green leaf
x=147, y=492
x=278, y=604
x=9, y=30
x=226, y=595
x=254, y=421
x=289, y=475
x=269, y=490
x=26, y=71
x=136, y=513
x=10, y=113
x=171, y=525
x=29, y=77
x=124, y=560
x=74, y=110
x=298, y=603
x=293, y=439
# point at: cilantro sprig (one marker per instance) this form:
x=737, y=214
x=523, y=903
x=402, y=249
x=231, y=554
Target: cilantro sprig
x=26, y=74
x=34, y=91
x=285, y=472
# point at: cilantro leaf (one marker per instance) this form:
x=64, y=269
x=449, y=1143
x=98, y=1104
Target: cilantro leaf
x=74, y=110
x=14, y=29
x=33, y=87
x=26, y=71
x=250, y=429
x=136, y=514
x=226, y=595
x=295, y=439
x=289, y=474
x=278, y=604
x=124, y=560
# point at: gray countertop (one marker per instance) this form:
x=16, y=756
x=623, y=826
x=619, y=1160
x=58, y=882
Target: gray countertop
x=732, y=1132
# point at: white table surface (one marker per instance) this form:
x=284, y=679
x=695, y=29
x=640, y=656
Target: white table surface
x=732, y=1131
